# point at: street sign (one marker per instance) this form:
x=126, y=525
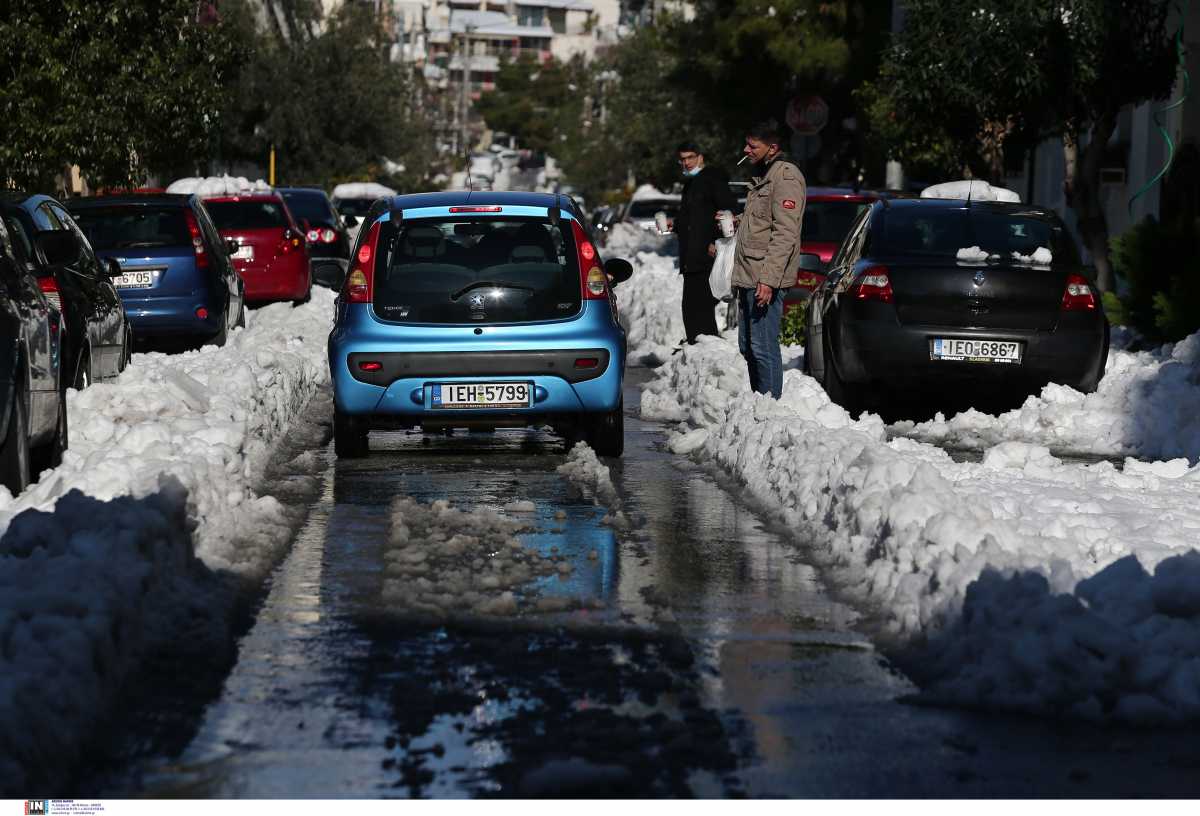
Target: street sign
x=807, y=115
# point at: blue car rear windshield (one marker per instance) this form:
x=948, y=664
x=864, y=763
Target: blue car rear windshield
x=476, y=270
x=133, y=227
x=943, y=232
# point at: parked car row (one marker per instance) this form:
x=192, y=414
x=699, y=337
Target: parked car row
x=83, y=280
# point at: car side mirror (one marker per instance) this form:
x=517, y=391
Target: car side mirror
x=112, y=268
x=618, y=270
x=59, y=247
x=349, y=221
x=231, y=246
x=810, y=262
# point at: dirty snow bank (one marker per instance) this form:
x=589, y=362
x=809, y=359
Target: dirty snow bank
x=169, y=454
x=1145, y=406
x=905, y=529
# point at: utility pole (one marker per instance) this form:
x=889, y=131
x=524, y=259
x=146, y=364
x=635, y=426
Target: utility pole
x=465, y=89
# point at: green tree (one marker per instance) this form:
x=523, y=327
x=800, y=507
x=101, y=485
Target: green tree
x=968, y=80
x=326, y=94
x=122, y=89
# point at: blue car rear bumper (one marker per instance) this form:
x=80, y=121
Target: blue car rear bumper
x=165, y=315
x=563, y=380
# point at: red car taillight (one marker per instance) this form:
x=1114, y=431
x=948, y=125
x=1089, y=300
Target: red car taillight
x=197, y=240
x=313, y=236
x=328, y=236
x=873, y=284
x=592, y=280
x=360, y=282
x=1078, y=296
x=49, y=287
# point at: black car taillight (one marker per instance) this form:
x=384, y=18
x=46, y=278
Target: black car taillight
x=873, y=283
x=1078, y=296
x=49, y=286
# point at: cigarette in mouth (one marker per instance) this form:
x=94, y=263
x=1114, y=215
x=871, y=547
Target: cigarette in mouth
x=742, y=159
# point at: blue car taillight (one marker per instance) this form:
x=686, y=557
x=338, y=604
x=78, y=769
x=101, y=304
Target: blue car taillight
x=360, y=282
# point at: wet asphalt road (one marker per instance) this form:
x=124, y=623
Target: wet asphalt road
x=704, y=658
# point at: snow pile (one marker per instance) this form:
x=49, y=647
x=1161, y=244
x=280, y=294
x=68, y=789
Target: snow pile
x=649, y=307
x=444, y=562
x=215, y=186
x=206, y=417
x=972, y=254
x=1040, y=257
x=907, y=530
x=169, y=456
x=1124, y=645
x=362, y=189
x=86, y=589
x=974, y=189
x=1144, y=406
x=585, y=470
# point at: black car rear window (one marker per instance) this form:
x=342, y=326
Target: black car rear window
x=133, y=227
x=229, y=215
x=829, y=221
x=312, y=207
x=943, y=232
x=358, y=207
x=476, y=270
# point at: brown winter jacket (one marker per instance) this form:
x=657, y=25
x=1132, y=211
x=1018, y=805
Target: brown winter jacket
x=768, y=237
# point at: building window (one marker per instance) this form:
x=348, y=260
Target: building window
x=530, y=16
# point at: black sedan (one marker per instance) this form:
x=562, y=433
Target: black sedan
x=33, y=405
x=328, y=241
x=99, y=338
x=934, y=292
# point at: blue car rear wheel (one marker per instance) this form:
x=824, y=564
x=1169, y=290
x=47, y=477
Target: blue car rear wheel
x=349, y=437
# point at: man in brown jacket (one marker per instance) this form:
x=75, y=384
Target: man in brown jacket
x=767, y=256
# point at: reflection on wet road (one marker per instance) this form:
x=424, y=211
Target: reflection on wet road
x=701, y=655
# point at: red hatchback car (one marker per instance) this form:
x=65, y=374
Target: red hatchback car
x=829, y=213
x=272, y=255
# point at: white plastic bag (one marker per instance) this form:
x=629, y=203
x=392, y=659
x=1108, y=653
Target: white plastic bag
x=720, y=279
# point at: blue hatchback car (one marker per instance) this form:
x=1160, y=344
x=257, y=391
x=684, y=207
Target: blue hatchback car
x=478, y=310
x=176, y=276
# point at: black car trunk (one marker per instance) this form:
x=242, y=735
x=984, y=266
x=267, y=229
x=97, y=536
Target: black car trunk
x=941, y=292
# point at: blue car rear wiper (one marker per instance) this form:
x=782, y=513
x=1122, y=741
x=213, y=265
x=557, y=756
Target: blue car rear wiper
x=481, y=284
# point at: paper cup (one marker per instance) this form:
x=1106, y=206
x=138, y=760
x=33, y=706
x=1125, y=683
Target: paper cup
x=725, y=219
x=660, y=221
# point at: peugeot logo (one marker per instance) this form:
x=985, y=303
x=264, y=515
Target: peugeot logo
x=978, y=278
x=476, y=301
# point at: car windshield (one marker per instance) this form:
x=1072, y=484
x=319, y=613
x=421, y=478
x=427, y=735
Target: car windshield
x=246, y=214
x=133, y=227
x=1002, y=234
x=312, y=207
x=476, y=270
x=358, y=207
x=648, y=207
x=828, y=222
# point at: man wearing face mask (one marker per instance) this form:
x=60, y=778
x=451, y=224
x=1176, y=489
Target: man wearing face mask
x=705, y=190
x=768, y=254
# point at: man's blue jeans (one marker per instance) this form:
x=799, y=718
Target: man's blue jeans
x=758, y=340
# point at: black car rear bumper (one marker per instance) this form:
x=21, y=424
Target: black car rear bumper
x=884, y=351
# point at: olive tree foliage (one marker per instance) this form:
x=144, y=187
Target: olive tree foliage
x=967, y=81
x=121, y=89
x=326, y=95
x=705, y=79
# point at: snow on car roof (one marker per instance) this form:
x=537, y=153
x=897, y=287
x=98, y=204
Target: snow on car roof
x=214, y=186
x=362, y=189
x=973, y=189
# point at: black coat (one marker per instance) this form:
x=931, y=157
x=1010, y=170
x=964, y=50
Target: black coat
x=696, y=225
